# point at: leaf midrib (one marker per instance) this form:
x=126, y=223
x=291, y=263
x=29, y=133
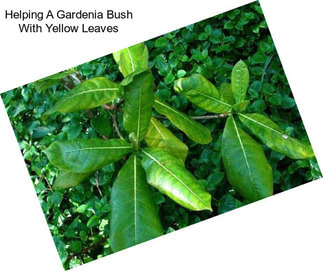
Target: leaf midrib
x=244, y=155
x=159, y=131
x=89, y=91
x=174, y=175
x=212, y=98
x=131, y=60
x=272, y=129
x=178, y=113
x=99, y=148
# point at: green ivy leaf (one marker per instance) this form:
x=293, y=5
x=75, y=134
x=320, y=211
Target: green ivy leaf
x=247, y=168
x=134, y=217
x=89, y=94
x=190, y=127
x=86, y=155
x=239, y=81
x=139, y=98
x=158, y=136
x=132, y=58
x=275, y=138
x=202, y=93
x=168, y=174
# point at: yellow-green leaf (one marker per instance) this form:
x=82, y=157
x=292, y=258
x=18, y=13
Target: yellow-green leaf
x=89, y=94
x=274, y=137
x=168, y=174
x=159, y=136
x=132, y=58
x=239, y=81
x=190, y=127
x=202, y=93
x=226, y=93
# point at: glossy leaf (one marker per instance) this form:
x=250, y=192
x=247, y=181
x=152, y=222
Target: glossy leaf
x=239, y=81
x=202, y=93
x=168, y=174
x=67, y=179
x=159, y=136
x=247, y=168
x=134, y=216
x=86, y=155
x=139, y=98
x=190, y=127
x=48, y=81
x=132, y=58
x=241, y=106
x=275, y=138
x=226, y=93
x=89, y=94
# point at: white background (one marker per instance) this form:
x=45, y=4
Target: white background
x=283, y=232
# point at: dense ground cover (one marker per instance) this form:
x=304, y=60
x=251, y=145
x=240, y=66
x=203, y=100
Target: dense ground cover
x=78, y=217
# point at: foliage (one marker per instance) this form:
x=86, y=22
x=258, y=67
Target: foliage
x=78, y=217
x=244, y=160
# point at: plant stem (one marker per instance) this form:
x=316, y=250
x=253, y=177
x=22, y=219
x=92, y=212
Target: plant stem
x=205, y=117
x=114, y=120
x=74, y=76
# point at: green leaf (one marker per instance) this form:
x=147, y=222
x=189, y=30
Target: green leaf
x=168, y=174
x=226, y=93
x=67, y=179
x=134, y=216
x=76, y=246
x=247, y=168
x=139, y=98
x=47, y=82
x=239, y=81
x=241, y=106
x=89, y=94
x=190, y=127
x=158, y=136
x=275, y=138
x=102, y=125
x=93, y=221
x=86, y=155
x=132, y=58
x=202, y=93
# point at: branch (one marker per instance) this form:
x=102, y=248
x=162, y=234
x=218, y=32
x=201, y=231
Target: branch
x=205, y=117
x=97, y=184
x=74, y=76
x=114, y=119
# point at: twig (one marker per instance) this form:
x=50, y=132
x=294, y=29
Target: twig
x=114, y=120
x=48, y=184
x=98, y=185
x=73, y=75
x=206, y=117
